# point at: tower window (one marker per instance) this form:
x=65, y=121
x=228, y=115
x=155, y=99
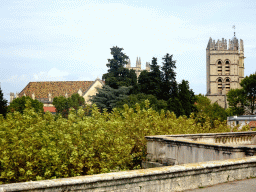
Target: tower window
x=219, y=68
x=227, y=68
x=219, y=86
x=227, y=86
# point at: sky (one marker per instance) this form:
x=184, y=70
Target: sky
x=70, y=40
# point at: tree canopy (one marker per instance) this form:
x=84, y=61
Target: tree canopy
x=118, y=75
x=249, y=86
x=237, y=100
x=108, y=97
x=19, y=104
x=169, y=84
x=63, y=104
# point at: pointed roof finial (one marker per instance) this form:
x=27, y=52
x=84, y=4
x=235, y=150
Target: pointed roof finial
x=234, y=27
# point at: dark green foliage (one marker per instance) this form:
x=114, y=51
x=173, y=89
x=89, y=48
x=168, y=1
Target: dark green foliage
x=18, y=104
x=186, y=97
x=76, y=101
x=150, y=82
x=174, y=104
x=118, y=75
x=108, y=97
x=249, y=86
x=140, y=98
x=236, y=100
x=3, y=104
x=169, y=84
x=63, y=104
x=144, y=81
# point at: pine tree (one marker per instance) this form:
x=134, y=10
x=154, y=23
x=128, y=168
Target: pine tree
x=108, y=97
x=118, y=75
x=169, y=84
x=186, y=97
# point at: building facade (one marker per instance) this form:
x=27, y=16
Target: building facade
x=224, y=68
x=137, y=69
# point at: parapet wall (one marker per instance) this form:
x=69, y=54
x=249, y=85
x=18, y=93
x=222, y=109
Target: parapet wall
x=165, y=150
x=170, y=178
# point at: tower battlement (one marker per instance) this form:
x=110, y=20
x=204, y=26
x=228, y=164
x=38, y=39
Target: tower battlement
x=137, y=69
x=232, y=45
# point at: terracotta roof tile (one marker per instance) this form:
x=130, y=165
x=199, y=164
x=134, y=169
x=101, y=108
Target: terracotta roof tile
x=252, y=123
x=51, y=109
x=56, y=88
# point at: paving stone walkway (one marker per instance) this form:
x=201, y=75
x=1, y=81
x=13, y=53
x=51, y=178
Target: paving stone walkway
x=247, y=185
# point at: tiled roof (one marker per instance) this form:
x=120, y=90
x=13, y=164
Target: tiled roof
x=51, y=109
x=252, y=124
x=56, y=88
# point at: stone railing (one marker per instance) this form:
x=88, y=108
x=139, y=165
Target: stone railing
x=169, y=178
x=164, y=150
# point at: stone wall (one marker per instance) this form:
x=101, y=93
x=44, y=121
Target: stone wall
x=173, y=178
x=164, y=150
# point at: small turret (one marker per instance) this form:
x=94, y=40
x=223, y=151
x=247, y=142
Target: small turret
x=11, y=97
x=147, y=66
x=129, y=64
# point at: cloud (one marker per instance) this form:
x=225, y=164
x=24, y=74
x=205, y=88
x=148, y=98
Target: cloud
x=53, y=74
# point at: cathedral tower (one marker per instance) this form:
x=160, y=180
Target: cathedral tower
x=224, y=68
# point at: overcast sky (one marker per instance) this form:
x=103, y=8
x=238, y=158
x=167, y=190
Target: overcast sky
x=70, y=40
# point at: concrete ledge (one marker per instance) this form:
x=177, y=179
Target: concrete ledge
x=172, y=178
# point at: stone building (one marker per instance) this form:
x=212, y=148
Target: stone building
x=137, y=69
x=47, y=90
x=224, y=68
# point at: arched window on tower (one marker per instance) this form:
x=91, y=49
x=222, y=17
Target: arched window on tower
x=227, y=85
x=219, y=68
x=219, y=86
x=227, y=68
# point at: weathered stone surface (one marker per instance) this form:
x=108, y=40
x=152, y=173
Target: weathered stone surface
x=173, y=178
x=193, y=148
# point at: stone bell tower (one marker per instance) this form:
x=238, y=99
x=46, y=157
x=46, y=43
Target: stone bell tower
x=224, y=68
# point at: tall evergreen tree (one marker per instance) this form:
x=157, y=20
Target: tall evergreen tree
x=169, y=84
x=155, y=76
x=186, y=97
x=3, y=104
x=118, y=75
x=144, y=82
x=150, y=82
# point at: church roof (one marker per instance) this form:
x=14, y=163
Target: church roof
x=55, y=88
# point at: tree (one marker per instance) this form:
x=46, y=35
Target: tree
x=249, y=86
x=186, y=97
x=19, y=104
x=118, y=75
x=155, y=75
x=236, y=100
x=169, y=85
x=108, y=97
x=140, y=98
x=63, y=104
x=150, y=82
x=205, y=111
x=144, y=82
x=76, y=101
x=3, y=104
